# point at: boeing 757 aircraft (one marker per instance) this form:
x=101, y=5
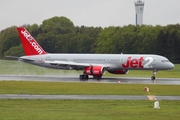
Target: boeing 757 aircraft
x=91, y=64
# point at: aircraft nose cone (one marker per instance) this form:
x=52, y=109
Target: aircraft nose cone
x=171, y=65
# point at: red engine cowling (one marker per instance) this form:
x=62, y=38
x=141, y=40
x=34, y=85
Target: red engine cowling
x=118, y=71
x=94, y=70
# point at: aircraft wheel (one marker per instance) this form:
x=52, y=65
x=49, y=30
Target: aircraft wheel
x=153, y=78
x=83, y=77
x=86, y=77
x=80, y=77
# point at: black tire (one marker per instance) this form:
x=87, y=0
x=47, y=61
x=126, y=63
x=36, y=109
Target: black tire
x=153, y=78
x=83, y=77
x=86, y=77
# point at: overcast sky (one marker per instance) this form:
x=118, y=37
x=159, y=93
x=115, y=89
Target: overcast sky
x=102, y=13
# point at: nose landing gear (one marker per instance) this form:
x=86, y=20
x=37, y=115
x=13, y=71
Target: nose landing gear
x=153, y=77
x=154, y=74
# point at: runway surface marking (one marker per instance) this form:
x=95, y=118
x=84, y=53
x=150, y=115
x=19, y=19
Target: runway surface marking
x=151, y=97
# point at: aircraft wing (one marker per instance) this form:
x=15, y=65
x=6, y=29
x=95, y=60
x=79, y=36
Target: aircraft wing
x=74, y=65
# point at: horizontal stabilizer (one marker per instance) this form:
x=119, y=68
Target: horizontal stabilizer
x=12, y=57
x=26, y=59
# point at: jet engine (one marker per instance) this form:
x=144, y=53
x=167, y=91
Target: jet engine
x=94, y=70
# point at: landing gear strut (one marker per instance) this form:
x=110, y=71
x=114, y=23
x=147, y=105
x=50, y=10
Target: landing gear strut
x=154, y=75
x=86, y=77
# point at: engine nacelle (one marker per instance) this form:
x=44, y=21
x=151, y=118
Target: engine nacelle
x=94, y=70
x=119, y=71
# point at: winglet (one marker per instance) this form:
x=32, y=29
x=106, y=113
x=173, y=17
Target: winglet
x=30, y=46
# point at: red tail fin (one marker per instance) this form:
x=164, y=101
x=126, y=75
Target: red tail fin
x=31, y=47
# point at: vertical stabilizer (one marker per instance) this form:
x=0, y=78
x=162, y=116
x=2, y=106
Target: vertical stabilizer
x=30, y=46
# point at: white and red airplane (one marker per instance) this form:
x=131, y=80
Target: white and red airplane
x=90, y=64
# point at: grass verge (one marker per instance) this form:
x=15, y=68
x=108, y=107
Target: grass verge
x=87, y=110
x=69, y=88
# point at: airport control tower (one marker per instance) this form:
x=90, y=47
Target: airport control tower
x=139, y=6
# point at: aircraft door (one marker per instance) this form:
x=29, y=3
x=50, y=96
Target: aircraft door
x=121, y=60
x=154, y=62
x=41, y=60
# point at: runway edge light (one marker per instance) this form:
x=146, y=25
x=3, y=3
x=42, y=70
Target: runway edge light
x=156, y=105
x=146, y=89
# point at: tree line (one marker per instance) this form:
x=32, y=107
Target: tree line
x=59, y=35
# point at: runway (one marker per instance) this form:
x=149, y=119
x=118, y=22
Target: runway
x=125, y=80
x=115, y=80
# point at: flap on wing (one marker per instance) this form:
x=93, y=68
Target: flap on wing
x=69, y=63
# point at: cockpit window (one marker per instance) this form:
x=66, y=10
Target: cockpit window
x=165, y=60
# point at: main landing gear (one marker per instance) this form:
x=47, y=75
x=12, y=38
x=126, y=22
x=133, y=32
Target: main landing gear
x=83, y=77
x=86, y=77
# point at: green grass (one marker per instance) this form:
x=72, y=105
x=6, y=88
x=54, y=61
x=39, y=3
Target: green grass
x=87, y=110
x=69, y=88
x=17, y=67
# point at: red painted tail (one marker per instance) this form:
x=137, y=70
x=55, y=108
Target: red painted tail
x=31, y=47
